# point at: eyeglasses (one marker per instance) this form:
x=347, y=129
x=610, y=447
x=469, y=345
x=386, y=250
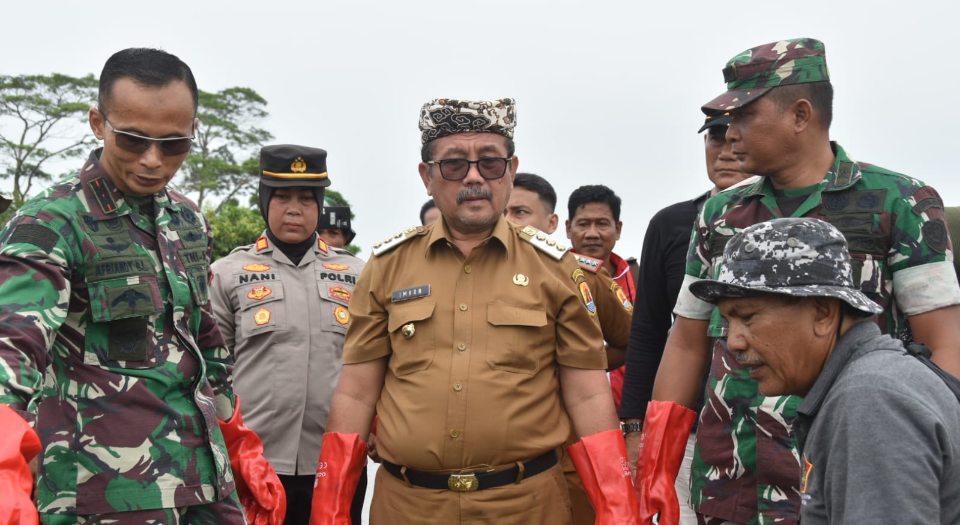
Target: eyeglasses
x=169, y=147
x=490, y=168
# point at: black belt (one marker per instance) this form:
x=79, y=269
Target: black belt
x=476, y=480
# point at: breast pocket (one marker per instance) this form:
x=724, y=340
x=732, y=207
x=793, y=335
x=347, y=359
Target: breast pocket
x=412, y=336
x=262, y=309
x=334, y=307
x=515, y=337
x=122, y=314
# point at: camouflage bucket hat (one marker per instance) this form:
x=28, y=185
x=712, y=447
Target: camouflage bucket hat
x=753, y=72
x=445, y=116
x=798, y=256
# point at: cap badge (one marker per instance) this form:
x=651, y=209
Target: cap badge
x=521, y=280
x=298, y=166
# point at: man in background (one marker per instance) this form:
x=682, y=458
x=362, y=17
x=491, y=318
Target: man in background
x=594, y=228
x=429, y=213
x=662, y=267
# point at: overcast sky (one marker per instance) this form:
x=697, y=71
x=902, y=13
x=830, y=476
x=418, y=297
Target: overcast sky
x=607, y=92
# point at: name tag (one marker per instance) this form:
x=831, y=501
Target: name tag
x=410, y=293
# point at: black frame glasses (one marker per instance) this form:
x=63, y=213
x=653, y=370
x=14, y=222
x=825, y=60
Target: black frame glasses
x=490, y=168
x=138, y=144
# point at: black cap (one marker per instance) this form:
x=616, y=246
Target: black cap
x=4, y=203
x=286, y=165
x=713, y=122
x=337, y=218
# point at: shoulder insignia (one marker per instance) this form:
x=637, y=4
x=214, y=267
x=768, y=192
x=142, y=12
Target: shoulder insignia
x=262, y=244
x=322, y=244
x=621, y=296
x=589, y=263
x=392, y=242
x=543, y=242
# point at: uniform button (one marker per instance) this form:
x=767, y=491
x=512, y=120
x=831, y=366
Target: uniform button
x=454, y=433
x=467, y=268
x=463, y=307
x=462, y=347
x=458, y=387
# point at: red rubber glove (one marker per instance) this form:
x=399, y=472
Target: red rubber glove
x=601, y=461
x=662, y=444
x=259, y=488
x=342, y=458
x=18, y=445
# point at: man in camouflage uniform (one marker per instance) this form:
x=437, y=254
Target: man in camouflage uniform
x=335, y=225
x=108, y=347
x=779, y=95
x=282, y=304
x=799, y=324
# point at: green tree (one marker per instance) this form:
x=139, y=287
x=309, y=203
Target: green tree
x=39, y=117
x=233, y=225
x=224, y=161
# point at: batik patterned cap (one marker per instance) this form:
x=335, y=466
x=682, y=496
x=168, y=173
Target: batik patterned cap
x=755, y=71
x=446, y=116
x=797, y=256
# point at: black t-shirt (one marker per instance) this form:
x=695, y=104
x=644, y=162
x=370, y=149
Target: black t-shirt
x=663, y=264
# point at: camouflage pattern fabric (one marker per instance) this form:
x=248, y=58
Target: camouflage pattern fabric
x=746, y=467
x=109, y=348
x=445, y=116
x=791, y=256
x=753, y=72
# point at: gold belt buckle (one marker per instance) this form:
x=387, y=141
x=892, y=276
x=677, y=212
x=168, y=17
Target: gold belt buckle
x=463, y=482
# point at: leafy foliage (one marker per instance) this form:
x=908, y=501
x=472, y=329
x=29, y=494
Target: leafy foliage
x=225, y=159
x=233, y=225
x=40, y=117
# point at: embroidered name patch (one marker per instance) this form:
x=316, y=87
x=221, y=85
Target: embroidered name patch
x=410, y=293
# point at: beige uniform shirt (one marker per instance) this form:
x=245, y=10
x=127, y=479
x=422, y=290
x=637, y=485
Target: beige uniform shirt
x=285, y=325
x=473, y=345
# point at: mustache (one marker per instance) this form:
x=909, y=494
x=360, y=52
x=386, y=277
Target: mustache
x=748, y=359
x=474, y=191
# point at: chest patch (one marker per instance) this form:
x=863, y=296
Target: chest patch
x=339, y=292
x=410, y=293
x=336, y=267
x=262, y=317
x=257, y=277
x=257, y=267
x=341, y=315
x=259, y=292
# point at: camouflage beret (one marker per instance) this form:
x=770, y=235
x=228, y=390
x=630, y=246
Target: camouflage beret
x=797, y=256
x=755, y=71
x=445, y=116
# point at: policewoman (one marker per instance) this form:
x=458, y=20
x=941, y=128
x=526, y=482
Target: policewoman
x=282, y=304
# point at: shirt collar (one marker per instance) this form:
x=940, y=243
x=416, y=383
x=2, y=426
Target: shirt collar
x=440, y=234
x=848, y=346
x=106, y=200
x=844, y=173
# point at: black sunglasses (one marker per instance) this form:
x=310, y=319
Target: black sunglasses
x=169, y=147
x=490, y=168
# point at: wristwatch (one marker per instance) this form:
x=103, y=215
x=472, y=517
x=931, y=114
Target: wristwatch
x=631, y=427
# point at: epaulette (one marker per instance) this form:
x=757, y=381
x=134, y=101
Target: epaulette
x=543, y=242
x=392, y=242
x=589, y=263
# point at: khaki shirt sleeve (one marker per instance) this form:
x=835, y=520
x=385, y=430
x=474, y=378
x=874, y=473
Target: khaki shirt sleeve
x=579, y=338
x=614, y=310
x=367, y=336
